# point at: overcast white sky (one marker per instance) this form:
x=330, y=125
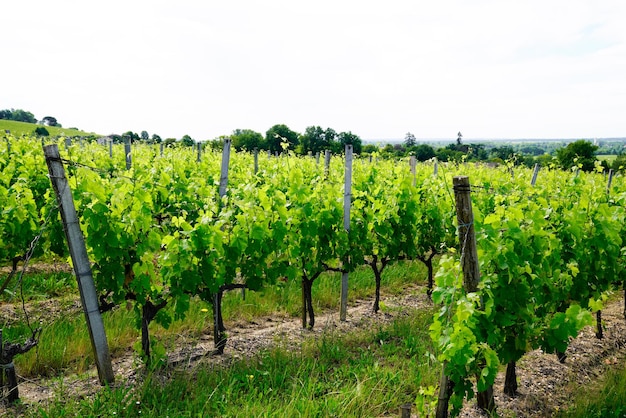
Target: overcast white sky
x=487, y=68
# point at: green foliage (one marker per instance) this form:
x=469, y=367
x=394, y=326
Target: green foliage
x=18, y=115
x=248, y=140
x=423, y=152
x=580, y=154
x=160, y=235
x=50, y=121
x=606, y=400
x=348, y=138
x=359, y=374
x=279, y=134
x=545, y=261
x=19, y=129
x=41, y=131
x=409, y=140
x=187, y=141
x=317, y=140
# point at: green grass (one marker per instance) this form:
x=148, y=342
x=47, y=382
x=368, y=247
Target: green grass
x=55, y=354
x=39, y=286
x=23, y=128
x=607, y=399
x=607, y=158
x=65, y=347
x=367, y=373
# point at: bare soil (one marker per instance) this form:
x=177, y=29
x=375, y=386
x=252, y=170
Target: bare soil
x=545, y=385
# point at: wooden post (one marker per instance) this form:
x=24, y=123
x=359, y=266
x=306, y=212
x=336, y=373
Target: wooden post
x=535, y=172
x=599, y=330
x=224, y=170
x=413, y=164
x=199, y=145
x=127, y=153
x=436, y=169
x=471, y=279
x=469, y=259
x=82, y=266
x=256, y=160
x=218, y=336
x=467, y=239
x=609, y=181
x=347, y=201
x=162, y=145
x=405, y=410
x=326, y=162
x=110, y=148
x=1, y=356
x=68, y=142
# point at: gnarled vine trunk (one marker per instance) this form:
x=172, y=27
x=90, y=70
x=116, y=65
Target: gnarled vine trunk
x=148, y=312
x=510, y=379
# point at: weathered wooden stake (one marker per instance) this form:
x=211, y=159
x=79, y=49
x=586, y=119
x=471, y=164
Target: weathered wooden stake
x=535, y=172
x=405, y=410
x=128, y=154
x=82, y=266
x=224, y=169
x=326, y=162
x=471, y=279
x=256, y=160
x=609, y=181
x=347, y=202
x=218, y=327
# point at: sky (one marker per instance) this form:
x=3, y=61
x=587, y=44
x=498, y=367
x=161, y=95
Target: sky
x=491, y=69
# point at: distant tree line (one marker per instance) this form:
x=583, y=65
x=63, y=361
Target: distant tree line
x=580, y=155
x=278, y=139
x=20, y=115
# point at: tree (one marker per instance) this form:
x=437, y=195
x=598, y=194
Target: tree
x=144, y=135
x=156, y=139
x=580, y=153
x=17, y=115
x=278, y=135
x=619, y=164
x=41, y=131
x=187, y=141
x=315, y=139
x=424, y=152
x=352, y=139
x=130, y=135
x=459, y=137
x=50, y=121
x=409, y=140
x=247, y=139
x=503, y=153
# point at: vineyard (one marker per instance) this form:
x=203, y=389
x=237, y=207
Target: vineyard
x=166, y=230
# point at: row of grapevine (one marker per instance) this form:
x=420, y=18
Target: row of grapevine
x=160, y=233
x=548, y=255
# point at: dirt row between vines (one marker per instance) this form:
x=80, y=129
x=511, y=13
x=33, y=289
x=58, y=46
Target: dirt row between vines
x=545, y=385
